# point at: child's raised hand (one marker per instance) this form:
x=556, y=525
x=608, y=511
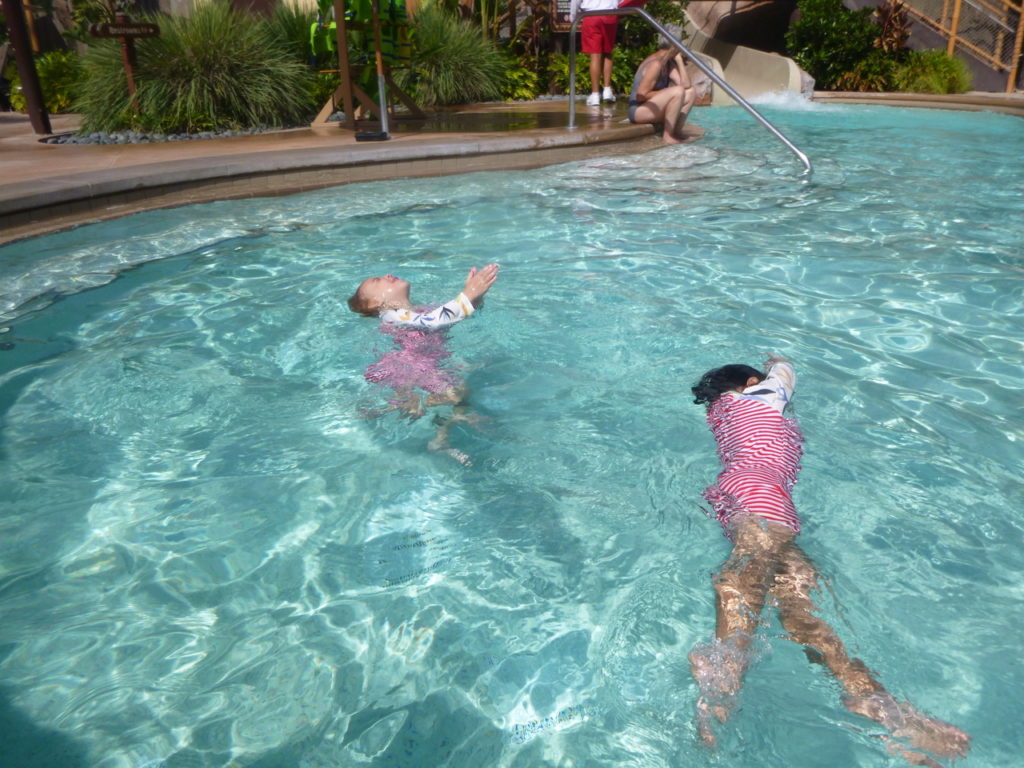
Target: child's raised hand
x=479, y=281
x=772, y=358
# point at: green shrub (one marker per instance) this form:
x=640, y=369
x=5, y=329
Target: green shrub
x=931, y=72
x=624, y=65
x=291, y=24
x=213, y=70
x=828, y=40
x=875, y=72
x=636, y=34
x=558, y=72
x=60, y=76
x=85, y=13
x=452, y=62
x=521, y=82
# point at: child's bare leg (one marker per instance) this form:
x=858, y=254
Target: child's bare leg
x=740, y=589
x=405, y=400
x=795, y=580
x=455, y=396
x=864, y=695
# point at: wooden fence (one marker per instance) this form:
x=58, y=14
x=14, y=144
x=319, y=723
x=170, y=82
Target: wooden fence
x=990, y=30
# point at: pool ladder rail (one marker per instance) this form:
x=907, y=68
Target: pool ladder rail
x=686, y=52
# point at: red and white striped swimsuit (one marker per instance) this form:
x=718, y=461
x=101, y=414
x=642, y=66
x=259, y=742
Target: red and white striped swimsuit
x=760, y=451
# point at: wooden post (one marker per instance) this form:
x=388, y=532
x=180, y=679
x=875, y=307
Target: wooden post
x=954, y=27
x=34, y=103
x=125, y=30
x=348, y=105
x=1018, y=46
x=128, y=57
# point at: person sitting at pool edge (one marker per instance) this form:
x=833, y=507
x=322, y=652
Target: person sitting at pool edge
x=662, y=93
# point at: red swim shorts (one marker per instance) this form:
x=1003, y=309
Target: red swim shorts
x=597, y=34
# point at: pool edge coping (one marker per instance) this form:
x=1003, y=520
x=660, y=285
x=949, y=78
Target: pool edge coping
x=52, y=204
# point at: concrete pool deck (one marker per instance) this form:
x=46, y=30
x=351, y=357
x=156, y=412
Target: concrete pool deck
x=49, y=187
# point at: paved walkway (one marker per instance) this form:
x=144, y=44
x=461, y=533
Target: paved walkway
x=49, y=186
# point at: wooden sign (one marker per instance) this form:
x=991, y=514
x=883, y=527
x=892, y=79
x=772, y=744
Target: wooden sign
x=125, y=30
x=561, y=15
x=128, y=29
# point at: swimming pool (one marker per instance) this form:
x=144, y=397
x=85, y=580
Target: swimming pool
x=209, y=559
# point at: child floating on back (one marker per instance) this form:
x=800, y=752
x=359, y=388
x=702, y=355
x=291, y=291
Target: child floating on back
x=412, y=369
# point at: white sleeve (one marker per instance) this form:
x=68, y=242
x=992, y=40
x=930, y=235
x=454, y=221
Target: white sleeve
x=447, y=314
x=777, y=388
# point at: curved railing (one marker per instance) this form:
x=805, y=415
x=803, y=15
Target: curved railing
x=685, y=51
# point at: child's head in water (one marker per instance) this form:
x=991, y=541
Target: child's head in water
x=728, y=378
x=376, y=294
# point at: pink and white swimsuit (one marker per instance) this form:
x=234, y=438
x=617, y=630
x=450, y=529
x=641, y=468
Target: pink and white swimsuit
x=760, y=451
x=415, y=362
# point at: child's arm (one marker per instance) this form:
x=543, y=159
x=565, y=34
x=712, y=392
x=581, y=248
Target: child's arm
x=478, y=282
x=777, y=387
x=447, y=314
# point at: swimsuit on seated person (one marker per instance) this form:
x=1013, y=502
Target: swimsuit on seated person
x=663, y=82
x=760, y=451
x=415, y=361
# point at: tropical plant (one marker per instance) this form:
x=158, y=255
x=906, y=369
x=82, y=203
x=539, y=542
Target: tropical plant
x=636, y=34
x=931, y=72
x=291, y=24
x=60, y=76
x=85, y=13
x=215, y=69
x=893, y=26
x=624, y=65
x=827, y=40
x=521, y=82
x=874, y=72
x=452, y=62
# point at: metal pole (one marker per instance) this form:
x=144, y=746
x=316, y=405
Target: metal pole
x=34, y=103
x=381, y=91
x=572, y=77
x=685, y=51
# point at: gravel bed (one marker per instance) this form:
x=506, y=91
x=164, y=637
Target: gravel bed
x=137, y=137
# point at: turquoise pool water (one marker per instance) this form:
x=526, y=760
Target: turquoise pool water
x=208, y=558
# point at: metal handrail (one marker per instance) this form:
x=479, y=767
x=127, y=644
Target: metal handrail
x=686, y=52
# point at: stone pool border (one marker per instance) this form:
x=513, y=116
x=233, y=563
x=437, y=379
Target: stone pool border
x=285, y=163
x=1007, y=103
x=297, y=161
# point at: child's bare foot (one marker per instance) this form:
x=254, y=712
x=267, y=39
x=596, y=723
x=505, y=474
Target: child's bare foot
x=440, y=445
x=718, y=669
x=907, y=724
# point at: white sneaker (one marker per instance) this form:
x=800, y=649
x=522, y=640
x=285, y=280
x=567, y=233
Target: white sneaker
x=594, y=100
x=608, y=95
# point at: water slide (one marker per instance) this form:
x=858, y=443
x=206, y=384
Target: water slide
x=737, y=35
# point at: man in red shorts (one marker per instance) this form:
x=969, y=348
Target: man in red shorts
x=597, y=37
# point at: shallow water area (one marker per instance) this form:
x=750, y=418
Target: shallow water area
x=211, y=557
